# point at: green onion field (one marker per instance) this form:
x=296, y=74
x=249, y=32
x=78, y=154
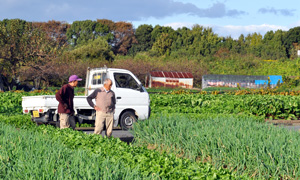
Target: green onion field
x=189, y=136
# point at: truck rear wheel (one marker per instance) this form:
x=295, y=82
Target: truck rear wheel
x=56, y=120
x=57, y=124
x=127, y=120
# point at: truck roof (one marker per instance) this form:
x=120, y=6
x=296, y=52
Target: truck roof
x=109, y=69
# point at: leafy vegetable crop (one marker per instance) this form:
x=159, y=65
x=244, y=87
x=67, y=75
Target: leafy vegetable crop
x=11, y=102
x=272, y=107
x=268, y=106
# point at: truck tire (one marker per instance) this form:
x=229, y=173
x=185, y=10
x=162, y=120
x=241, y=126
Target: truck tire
x=38, y=124
x=56, y=120
x=127, y=120
x=57, y=124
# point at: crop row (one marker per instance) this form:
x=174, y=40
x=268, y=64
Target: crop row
x=237, y=142
x=268, y=106
x=29, y=155
x=11, y=102
x=272, y=107
x=218, y=90
x=86, y=156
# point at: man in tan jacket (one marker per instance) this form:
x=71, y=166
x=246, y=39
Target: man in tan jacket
x=105, y=107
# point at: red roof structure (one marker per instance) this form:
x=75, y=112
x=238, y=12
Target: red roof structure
x=169, y=79
x=171, y=74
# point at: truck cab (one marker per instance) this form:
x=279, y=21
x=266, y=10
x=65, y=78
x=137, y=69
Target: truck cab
x=132, y=99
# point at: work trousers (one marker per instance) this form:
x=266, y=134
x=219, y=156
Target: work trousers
x=66, y=121
x=101, y=118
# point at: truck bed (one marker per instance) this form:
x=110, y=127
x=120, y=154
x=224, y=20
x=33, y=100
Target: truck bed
x=47, y=102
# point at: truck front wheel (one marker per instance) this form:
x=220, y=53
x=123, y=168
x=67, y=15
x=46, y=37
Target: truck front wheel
x=127, y=120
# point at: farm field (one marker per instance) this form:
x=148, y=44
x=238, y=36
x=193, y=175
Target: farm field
x=189, y=136
x=240, y=143
x=69, y=154
x=268, y=106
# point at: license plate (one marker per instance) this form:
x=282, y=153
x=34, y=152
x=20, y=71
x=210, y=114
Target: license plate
x=35, y=114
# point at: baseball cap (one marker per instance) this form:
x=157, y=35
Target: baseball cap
x=74, y=78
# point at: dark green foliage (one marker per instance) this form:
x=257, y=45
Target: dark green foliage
x=158, y=30
x=143, y=37
x=97, y=49
x=11, y=103
x=267, y=106
x=292, y=38
x=273, y=46
x=197, y=42
x=81, y=32
x=28, y=50
x=14, y=40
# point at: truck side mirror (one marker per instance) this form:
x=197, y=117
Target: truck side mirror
x=140, y=88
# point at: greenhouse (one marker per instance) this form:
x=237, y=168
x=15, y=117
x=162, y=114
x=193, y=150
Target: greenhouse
x=240, y=80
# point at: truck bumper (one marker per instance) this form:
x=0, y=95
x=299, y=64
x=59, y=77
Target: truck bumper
x=149, y=112
x=44, y=118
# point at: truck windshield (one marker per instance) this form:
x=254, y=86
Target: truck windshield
x=125, y=81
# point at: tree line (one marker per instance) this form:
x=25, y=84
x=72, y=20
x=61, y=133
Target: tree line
x=45, y=53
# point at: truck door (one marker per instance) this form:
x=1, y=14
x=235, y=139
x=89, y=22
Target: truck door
x=130, y=95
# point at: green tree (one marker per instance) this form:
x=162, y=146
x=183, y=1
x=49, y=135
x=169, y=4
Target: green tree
x=45, y=46
x=111, y=28
x=241, y=46
x=163, y=45
x=292, y=39
x=97, y=49
x=227, y=47
x=158, y=30
x=254, y=44
x=143, y=37
x=205, y=42
x=14, y=40
x=81, y=32
x=182, y=42
x=273, y=47
x=25, y=52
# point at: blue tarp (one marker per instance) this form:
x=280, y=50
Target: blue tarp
x=259, y=82
x=273, y=78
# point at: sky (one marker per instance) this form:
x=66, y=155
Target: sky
x=225, y=17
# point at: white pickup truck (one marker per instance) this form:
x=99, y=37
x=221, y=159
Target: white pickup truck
x=132, y=100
